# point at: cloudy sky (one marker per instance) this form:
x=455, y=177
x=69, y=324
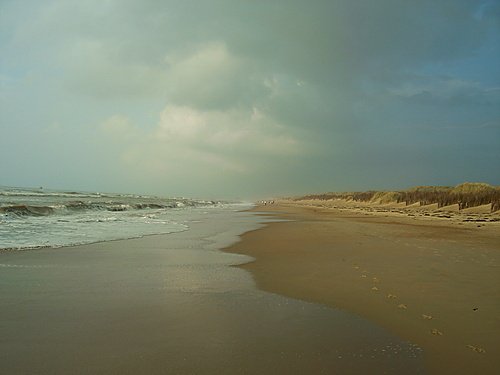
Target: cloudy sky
x=243, y=98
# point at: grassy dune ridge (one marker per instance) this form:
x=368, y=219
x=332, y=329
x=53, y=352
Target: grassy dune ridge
x=466, y=195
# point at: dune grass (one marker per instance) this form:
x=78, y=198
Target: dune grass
x=466, y=195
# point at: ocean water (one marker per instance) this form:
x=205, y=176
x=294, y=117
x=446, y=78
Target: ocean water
x=33, y=218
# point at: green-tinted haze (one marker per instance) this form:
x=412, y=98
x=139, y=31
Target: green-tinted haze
x=248, y=98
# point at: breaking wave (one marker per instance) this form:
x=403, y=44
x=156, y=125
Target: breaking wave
x=33, y=218
x=80, y=206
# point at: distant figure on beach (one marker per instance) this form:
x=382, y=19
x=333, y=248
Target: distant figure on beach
x=266, y=202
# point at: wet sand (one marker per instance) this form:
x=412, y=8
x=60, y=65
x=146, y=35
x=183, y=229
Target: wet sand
x=433, y=282
x=171, y=304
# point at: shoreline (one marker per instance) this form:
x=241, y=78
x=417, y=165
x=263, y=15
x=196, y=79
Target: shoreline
x=10, y=250
x=14, y=250
x=429, y=280
x=175, y=303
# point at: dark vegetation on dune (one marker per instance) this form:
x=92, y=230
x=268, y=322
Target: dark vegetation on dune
x=466, y=195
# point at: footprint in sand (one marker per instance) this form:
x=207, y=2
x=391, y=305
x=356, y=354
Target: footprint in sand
x=390, y=296
x=427, y=317
x=476, y=349
x=436, y=332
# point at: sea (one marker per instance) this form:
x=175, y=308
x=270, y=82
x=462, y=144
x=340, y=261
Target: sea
x=36, y=217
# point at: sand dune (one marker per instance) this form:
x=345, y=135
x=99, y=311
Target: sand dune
x=465, y=196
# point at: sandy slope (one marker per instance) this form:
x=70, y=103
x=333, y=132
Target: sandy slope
x=433, y=280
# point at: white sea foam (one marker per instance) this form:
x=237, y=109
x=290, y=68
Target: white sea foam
x=32, y=219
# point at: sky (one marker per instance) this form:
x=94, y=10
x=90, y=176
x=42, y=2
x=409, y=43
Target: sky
x=248, y=99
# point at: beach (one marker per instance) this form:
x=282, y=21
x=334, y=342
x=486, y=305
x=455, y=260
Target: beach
x=175, y=304
x=249, y=187
x=430, y=278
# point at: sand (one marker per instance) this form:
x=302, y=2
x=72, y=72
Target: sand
x=173, y=304
x=430, y=278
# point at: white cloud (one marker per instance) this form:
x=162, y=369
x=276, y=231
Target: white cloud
x=211, y=77
x=235, y=140
x=180, y=123
x=250, y=131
